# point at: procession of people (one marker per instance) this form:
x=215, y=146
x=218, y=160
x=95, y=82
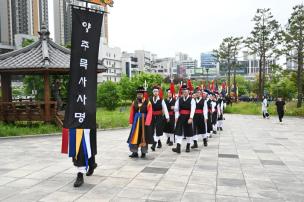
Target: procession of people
x=189, y=115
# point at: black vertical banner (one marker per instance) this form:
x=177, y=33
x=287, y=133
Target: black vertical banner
x=81, y=107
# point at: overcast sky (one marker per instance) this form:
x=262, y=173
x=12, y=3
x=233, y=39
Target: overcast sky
x=191, y=26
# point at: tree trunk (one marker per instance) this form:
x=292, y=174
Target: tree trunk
x=234, y=81
x=264, y=74
x=260, y=79
x=299, y=75
x=229, y=73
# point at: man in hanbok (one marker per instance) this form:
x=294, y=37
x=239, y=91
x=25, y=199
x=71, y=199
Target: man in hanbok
x=140, y=120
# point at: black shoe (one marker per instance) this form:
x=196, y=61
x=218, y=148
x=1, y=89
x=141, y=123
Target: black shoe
x=177, y=149
x=159, y=144
x=153, y=146
x=214, y=132
x=194, y=146
x=79, y=180
x=134, y=155
x=170, y=144
x=188, y=147
x=221, y=128
x=168, y=141
x=205, y=142
x=218, y=129
x=91, y=169
x=143, y=155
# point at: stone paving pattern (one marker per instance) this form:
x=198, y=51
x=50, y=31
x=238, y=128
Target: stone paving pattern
x=251, y=160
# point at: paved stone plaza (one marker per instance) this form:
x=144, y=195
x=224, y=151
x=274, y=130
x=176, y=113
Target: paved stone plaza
x=251, y=160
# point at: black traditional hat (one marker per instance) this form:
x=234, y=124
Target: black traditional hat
x=140, y=89
x=207, y=91
x=184, y=87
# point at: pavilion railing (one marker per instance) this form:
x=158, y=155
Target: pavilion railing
x=26, y=111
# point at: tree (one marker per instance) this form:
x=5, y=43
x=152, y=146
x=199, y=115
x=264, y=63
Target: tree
x=263, y=40
x=293, y=39
x=27, y=42
x=237, y=41
x=227, y=54
x=127, y=87
x=108, y=96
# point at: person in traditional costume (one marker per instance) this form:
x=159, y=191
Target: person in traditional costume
x=220, y=119
x=200, y=118
x=169, y=126
x=209, y=120
x=214, y=108
x=140, y=119
x=281, y=108
x=184, y=112
x=80, y=144
x=159, y=108
x=264, y=108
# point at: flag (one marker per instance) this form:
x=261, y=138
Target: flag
x=81, y=107
x=146, y=95
x=224, y=90
x=172, y=89
x=216, y=87
x=189, y=84
x=65, y=141
x=161, y=94
x=180, y=89
x=212, y=86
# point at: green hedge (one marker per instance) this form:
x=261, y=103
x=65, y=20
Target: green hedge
x=255, y=109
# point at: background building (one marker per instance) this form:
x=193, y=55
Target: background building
x=163, y=66
x=209, y=64
x=111, y=58
x=186, y=66
x=63, y=19
x=129, y=64
x=20, y=17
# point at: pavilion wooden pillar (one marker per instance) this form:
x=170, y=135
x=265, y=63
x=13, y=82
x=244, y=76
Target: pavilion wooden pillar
x=47, y=95
x=6, y=87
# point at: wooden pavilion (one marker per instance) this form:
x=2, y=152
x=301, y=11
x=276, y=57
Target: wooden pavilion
x=45, y=58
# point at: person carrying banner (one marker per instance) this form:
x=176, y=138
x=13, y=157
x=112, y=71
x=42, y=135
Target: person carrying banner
x=79, y=126
x=140, y=120
x=184, y=112
x=159, y=108
x=169, y=126
x=200, y=118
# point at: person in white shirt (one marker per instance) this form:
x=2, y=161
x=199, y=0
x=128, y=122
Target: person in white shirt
x=264, y=108
x=159, y=108
x=184, y=113
x=214, y=110
x=220, y=111
x=200, y=118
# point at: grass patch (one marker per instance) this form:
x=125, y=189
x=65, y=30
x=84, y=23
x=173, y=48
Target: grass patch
x=112, y=119
x=256, y=109
x=25, y=128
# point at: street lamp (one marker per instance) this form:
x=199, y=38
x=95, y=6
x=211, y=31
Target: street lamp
x=207, y=70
